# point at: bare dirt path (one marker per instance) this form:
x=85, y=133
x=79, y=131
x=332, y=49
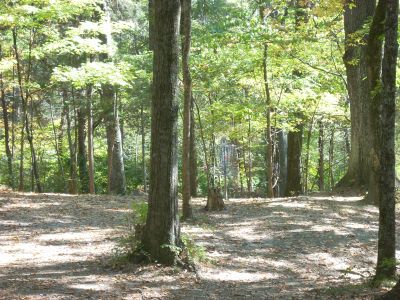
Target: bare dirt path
x=59, y=247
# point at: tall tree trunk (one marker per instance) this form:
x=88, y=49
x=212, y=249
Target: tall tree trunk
x=382, y=82
x=143, y=134
x=72, y=181
x=295, y=141
x=162, y=231
x=60, y=165
x=331, y=157
x=89, y=110
x=116, y=169
x=321, y=156
x=21, y=186
x=82, y=158
x=269, y=152
x=193, y=153
x=24, y=99
x=187, y=99
x=10, y=177
x=283, y=156
x=307, y=159
x=357, y=13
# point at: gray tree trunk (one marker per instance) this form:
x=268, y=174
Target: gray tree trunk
x=357, y=13
x=162, y=232
x=187, y=101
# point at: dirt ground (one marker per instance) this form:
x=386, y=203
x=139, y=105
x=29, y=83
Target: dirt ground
x=55, y=246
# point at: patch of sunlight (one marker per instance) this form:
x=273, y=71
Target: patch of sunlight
x=294, y=204
x=228, y=275
x=283, y=264
x=326, y=259
x=359, y=226
x=94, y=286
x=15, y=223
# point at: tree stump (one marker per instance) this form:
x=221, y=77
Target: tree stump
x=214, y=200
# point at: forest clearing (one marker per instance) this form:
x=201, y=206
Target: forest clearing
x=57, y=246
x=199, y=149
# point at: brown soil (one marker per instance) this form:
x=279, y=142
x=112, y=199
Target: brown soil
x=60, y=247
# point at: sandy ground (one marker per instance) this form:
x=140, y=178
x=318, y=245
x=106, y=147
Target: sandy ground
x=60, y=246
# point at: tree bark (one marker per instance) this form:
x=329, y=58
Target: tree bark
x=269, y=151
x=382, y=82
x=143, y=134
x=116, y=170
x=10, y=177
x=72, y=181
x=24, y=99
x=162, y=232
x=89, y=111
x=321, y=166
x=186, y=29
x=295, y=141
x=193, y=153
x=357, y=13
x=81, y=156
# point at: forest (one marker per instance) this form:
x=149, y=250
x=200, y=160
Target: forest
x=199, y=149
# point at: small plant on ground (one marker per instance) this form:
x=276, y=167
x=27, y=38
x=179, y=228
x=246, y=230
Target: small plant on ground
x=129, y=248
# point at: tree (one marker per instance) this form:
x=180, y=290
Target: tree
x=187, y=102
x=162, y=231
x=382, y=100
x=356, y=14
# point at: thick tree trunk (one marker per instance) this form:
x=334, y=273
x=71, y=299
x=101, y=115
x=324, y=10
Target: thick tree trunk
x=282, y=160
x=331, y=157
x=382, y=81
x=295, y=140
x=116, y=170
x=357, y=13
x=187, y=101
x=162, y=232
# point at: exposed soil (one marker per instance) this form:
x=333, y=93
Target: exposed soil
x=60, y=247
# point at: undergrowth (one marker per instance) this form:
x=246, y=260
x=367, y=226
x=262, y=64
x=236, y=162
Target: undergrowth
x=129, y=249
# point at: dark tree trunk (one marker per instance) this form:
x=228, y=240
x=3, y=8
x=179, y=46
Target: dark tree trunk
x=82, y=158
x=90, y=141
x=116, y=170
x=4, y=106
x=143, y=134
x=357, y=13
x=331, y=157
x=295, y=139
x=72, y=181
x=321, y=156
x=193, y=154
x=283, y=156
x=187, y=101
x=269, y=150
x=382, y=81
x=162, y=232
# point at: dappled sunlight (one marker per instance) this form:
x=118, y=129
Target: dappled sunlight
x=256, y=246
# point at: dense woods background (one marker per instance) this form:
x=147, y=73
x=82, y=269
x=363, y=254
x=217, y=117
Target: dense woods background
x=75, y=91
